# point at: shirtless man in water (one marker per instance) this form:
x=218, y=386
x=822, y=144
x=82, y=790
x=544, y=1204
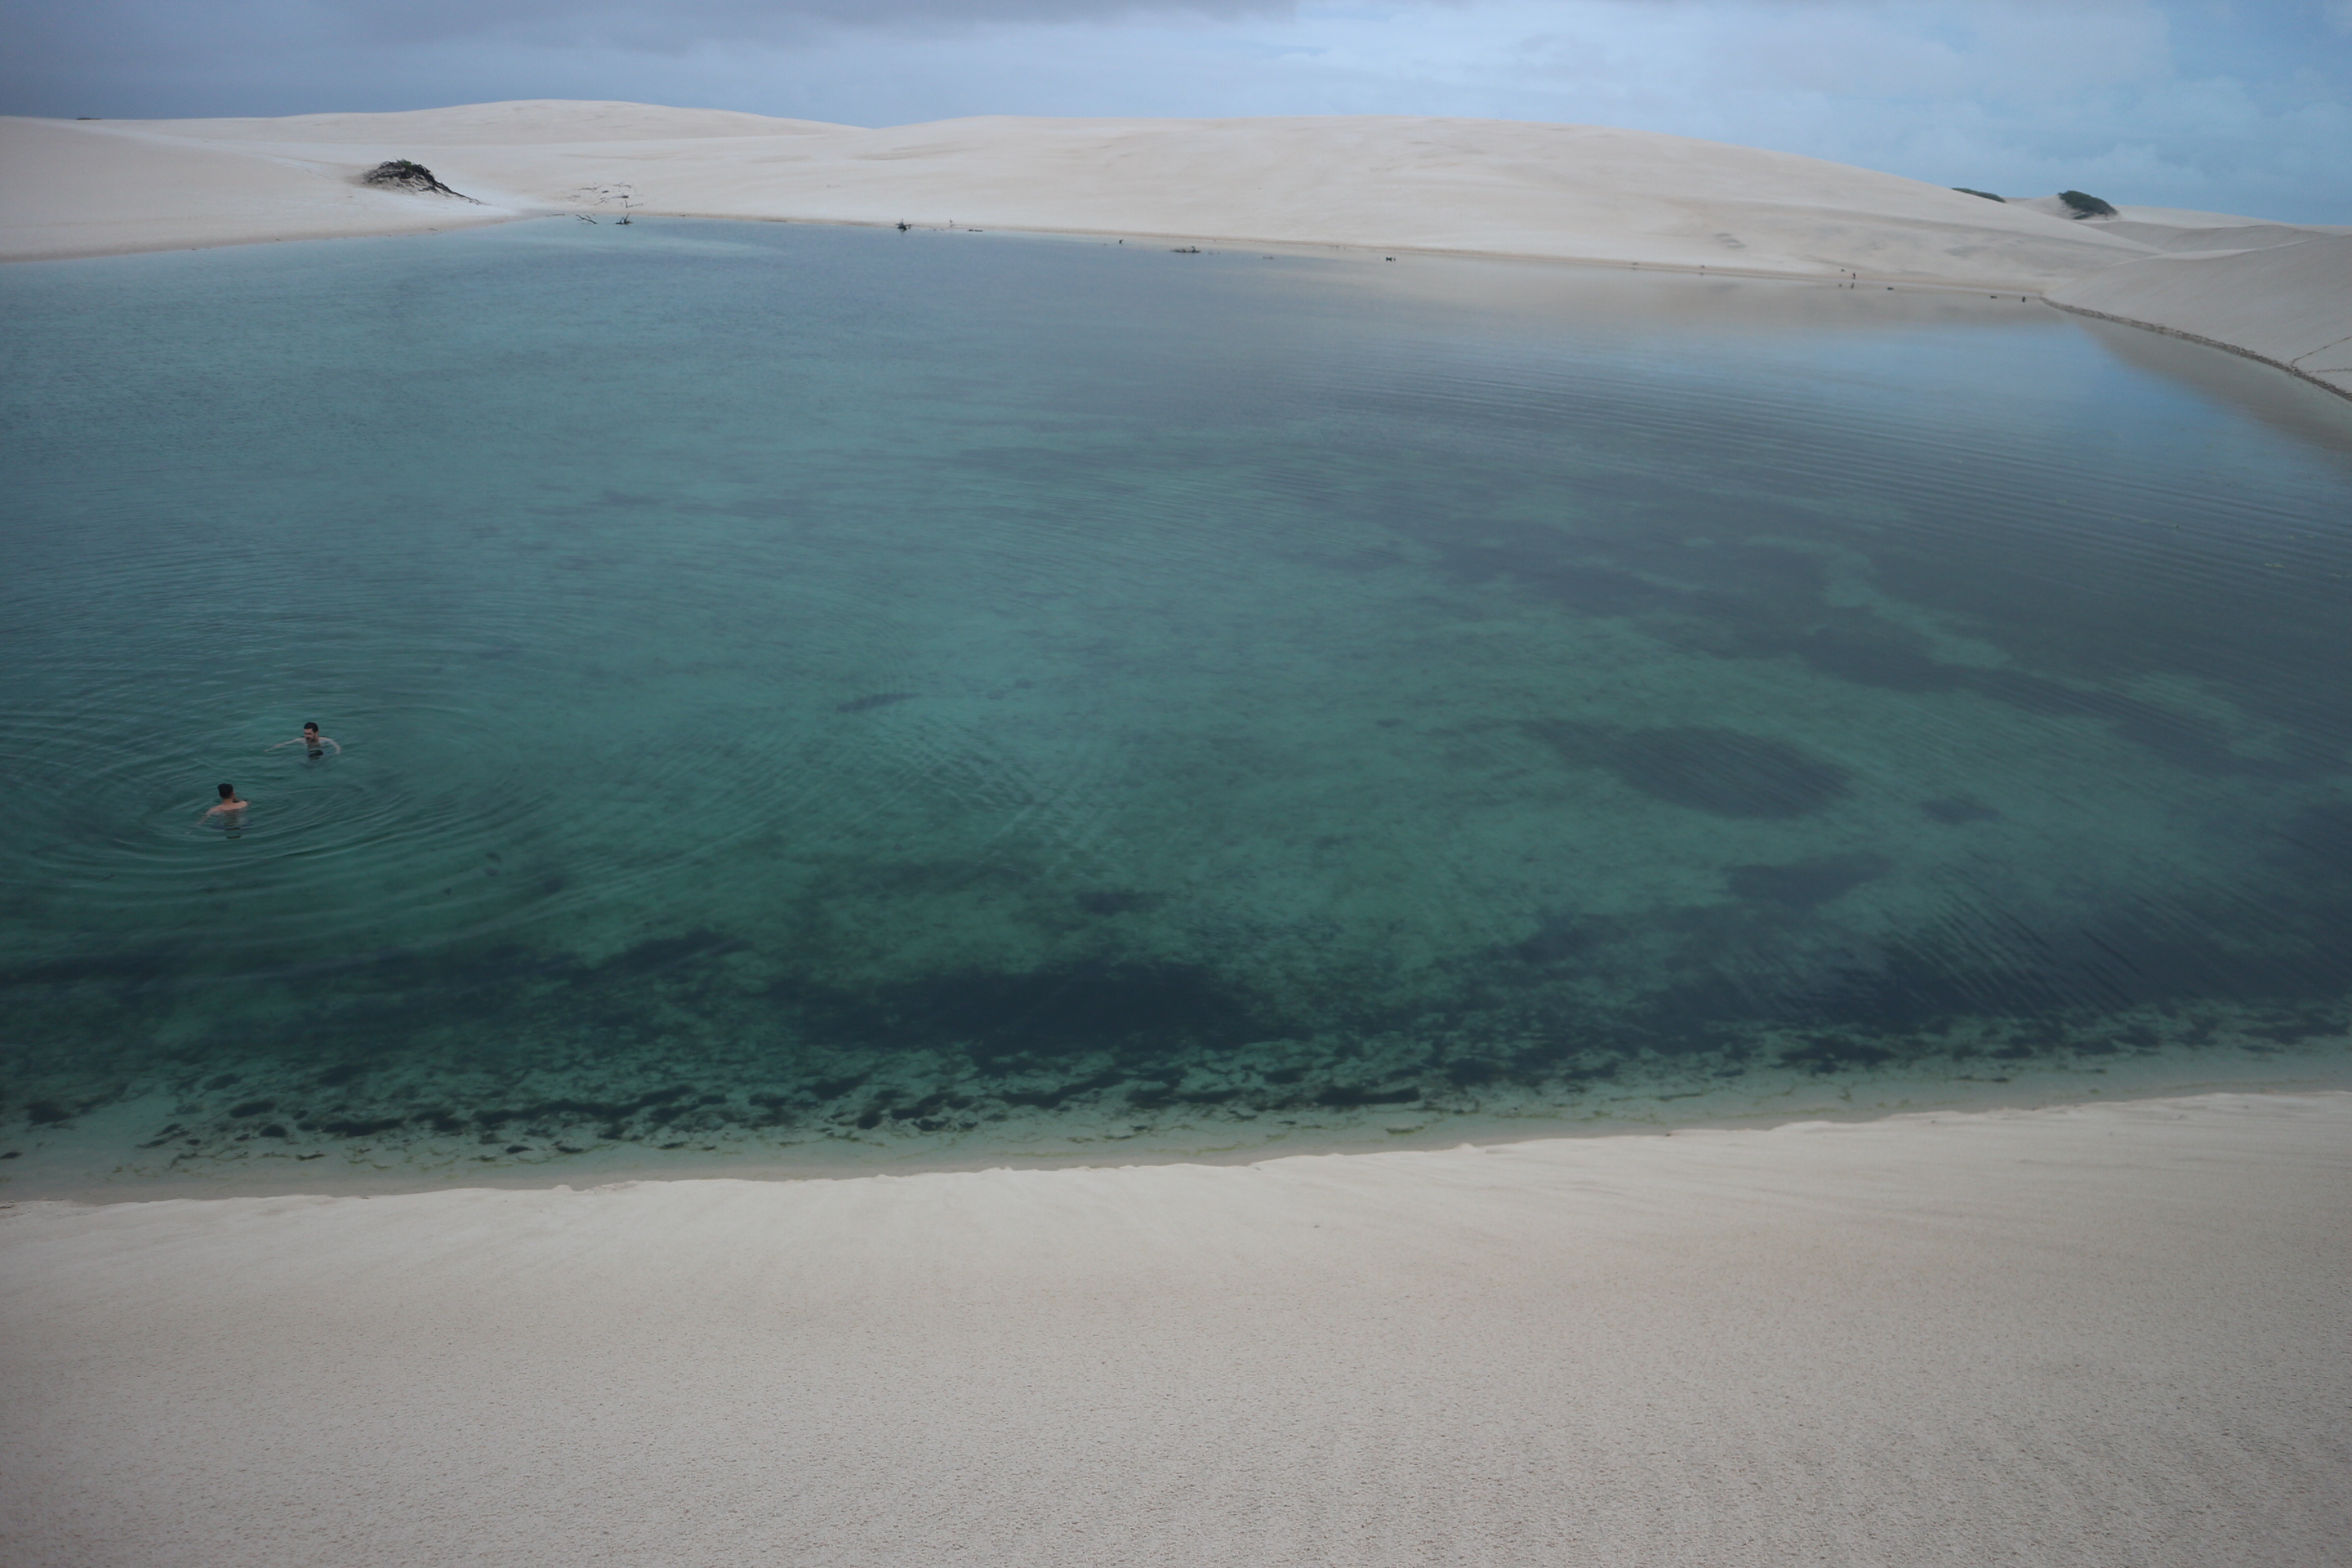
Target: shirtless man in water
x=230, y=807
x=312, y=740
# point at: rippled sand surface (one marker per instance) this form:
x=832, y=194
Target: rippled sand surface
x=2089, y=1334
x=829, y=693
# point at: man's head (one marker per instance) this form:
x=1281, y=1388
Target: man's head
x=311, y=728
x=228, y=792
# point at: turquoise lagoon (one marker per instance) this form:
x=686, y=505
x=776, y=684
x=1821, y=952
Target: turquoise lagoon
x=820, y=696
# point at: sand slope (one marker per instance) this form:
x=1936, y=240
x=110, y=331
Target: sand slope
x=2092, y=1336
x=2175, y=238
x=66, y=190
x=1504, y=187
x=2234, y=298
x=1507, y=187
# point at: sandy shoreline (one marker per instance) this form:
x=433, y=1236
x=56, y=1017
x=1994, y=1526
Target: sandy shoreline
x=2279, y=293
x=2102, y=1334
x=109, y=1155
x=2226, y=300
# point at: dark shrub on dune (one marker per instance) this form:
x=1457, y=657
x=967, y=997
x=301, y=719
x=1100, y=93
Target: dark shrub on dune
x=401, y=173
x=2085, y=206
x=1986, y=195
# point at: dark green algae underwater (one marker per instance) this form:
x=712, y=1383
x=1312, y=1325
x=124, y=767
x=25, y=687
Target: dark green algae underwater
x=819, y=698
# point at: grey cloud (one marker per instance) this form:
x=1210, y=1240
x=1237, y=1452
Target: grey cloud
x=167, y=57
x=97, y=39
x=685, y=22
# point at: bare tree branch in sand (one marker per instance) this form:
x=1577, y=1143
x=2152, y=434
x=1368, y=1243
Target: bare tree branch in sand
x=624, y=196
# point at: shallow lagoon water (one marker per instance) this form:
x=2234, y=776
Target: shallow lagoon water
x=822, y=694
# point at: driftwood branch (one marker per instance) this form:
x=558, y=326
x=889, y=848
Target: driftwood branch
x=607, y=195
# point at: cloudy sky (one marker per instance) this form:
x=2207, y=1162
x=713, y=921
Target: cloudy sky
x=2235, y=105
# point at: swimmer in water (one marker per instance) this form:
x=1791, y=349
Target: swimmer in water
x=230, y=807
x=310, y=741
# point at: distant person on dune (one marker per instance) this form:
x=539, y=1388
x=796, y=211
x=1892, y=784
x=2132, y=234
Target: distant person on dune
x=230, y=809
x=310, y=741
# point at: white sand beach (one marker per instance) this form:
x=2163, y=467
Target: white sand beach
x=2106, y=1334
x=1576, y=192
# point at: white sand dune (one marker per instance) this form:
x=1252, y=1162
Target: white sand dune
x=2112, y=1334
x=1513, y=188
x=2232, y=299
x=1579, y=192
x=2180, y=217
x=2292, y=309
x=2175, y=238
x=69, y=190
